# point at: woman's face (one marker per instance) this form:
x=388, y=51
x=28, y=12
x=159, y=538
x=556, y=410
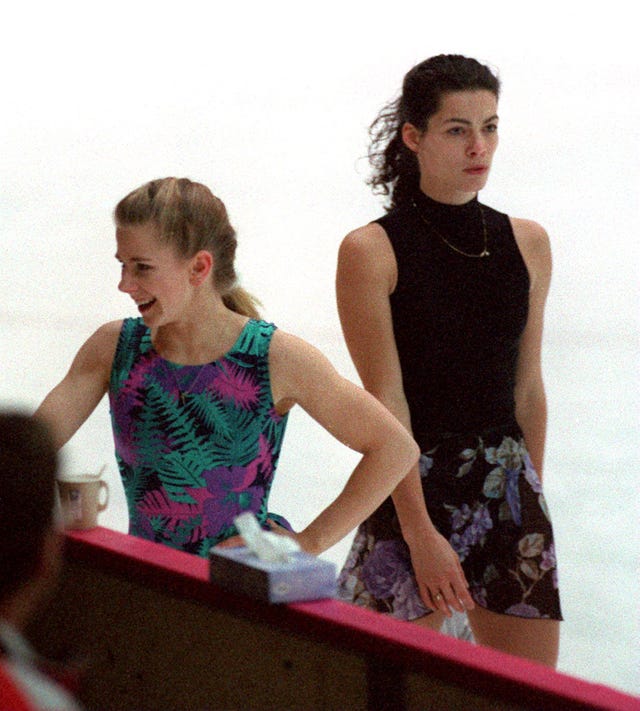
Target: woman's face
x=456, y=149
x=152, y=274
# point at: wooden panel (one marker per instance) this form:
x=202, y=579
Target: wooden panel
x=159, y=635
x=431, y=694
x=151, y=650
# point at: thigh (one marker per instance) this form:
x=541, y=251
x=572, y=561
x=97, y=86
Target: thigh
x=485, y=498
x=433, y=621
x=535, y=639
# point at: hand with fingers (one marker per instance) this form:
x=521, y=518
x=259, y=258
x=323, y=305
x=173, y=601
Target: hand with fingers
x=233, y=542
x=236, y=541
x=442, y=583
x=275, y=527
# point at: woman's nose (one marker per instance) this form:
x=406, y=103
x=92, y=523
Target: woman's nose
x=477, y=145
x=126, y=283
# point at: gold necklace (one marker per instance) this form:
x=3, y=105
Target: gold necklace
x=485, y=252
x=172, y=370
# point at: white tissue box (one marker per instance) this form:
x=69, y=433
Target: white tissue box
x=302, y=577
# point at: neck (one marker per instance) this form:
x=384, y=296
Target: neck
x=446, y=195
x=201, y=338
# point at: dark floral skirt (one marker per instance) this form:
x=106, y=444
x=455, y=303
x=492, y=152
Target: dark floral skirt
x=484, y=496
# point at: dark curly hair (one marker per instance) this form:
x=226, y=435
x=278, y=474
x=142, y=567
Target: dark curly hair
x=395, y=167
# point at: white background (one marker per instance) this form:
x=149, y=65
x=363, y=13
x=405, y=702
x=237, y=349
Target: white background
x=268, y=104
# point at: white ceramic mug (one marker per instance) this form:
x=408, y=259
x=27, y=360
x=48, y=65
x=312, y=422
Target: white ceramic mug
x=82, y=498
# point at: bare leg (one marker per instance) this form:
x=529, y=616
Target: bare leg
x=433, y=621
x=533, y=639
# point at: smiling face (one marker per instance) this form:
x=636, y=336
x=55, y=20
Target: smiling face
x=456, y=149
x=159, y=281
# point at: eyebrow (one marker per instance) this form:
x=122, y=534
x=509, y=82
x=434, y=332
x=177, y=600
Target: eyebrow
x=134, y=259
x=467, y=122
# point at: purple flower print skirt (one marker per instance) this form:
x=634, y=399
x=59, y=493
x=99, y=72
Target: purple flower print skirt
x=484, y=496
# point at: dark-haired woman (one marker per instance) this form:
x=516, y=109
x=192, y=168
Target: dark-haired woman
x=441, y=301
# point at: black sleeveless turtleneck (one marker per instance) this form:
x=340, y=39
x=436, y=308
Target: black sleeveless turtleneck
x=457, y=320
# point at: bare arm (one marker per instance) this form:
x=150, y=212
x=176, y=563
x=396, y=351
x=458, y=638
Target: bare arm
x=531, y=403
x=301, y=374
x=76, y=396
x=366, y=277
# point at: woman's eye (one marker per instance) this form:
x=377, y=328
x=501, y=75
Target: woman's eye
x=136, y=268
x=492, y=127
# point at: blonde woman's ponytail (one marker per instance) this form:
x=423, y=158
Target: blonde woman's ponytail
x=242, y=302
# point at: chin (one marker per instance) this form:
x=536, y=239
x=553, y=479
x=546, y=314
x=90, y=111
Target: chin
x=481, y=181
x=149, y=320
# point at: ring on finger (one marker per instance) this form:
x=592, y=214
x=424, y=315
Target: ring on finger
x=437, y=597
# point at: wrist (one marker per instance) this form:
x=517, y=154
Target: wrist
x=308, y=543
x=419, y=535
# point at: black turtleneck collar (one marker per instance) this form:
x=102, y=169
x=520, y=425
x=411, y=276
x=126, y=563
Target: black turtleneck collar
x=461, y=224
x=442, y=211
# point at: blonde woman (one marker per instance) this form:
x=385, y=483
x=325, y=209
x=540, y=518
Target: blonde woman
x=200, y=388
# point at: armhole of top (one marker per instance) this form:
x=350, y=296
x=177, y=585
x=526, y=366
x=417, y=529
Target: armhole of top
x=268, y=329
x=132, y=331
x=514, y=240
x=380, y=222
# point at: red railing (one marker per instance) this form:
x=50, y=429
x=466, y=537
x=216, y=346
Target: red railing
x=391, y=649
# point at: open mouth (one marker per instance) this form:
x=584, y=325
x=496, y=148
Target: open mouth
x=146, y=305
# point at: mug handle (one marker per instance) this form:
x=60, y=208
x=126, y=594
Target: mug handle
x=103, y=486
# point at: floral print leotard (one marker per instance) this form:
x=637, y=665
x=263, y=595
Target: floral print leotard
x=195, y=445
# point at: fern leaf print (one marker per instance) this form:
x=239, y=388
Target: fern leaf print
x=195, y=445
x=237, y=384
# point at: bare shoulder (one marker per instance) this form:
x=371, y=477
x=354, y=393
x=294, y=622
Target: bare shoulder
x=531, y=236
x=110, y=330
x=289, y=352
x=367, y=241
x=299, y=371
x=99, y=349
x=534, y=244
x=106, y=336
x=367, y=237
x=366, y=253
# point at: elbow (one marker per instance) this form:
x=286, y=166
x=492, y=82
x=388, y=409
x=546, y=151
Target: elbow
x=411, y=455
x=399, y=450
x=415, y=453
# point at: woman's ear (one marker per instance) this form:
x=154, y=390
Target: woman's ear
x=411, y=136
x=201, y=265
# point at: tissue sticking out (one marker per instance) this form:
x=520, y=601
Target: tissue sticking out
x=266, y=545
